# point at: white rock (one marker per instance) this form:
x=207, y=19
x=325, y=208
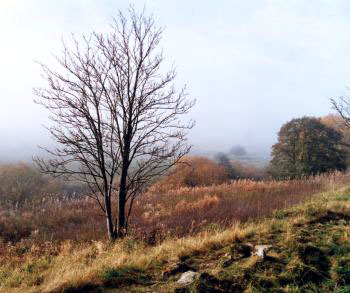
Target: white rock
x=187, y=278
x=261, y=250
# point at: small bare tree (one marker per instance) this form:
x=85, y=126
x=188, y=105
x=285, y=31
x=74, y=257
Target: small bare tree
x=116, y=117
x=342, y=106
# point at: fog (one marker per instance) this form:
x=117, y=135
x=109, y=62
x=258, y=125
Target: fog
x=251, y=65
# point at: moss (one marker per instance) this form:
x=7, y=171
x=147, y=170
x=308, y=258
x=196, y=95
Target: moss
x=343, y=270
x=345, y=289
x=114, y=277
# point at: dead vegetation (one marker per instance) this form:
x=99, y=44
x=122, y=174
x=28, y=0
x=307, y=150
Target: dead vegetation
x=309, y=253
x=55, y=244
x=164, y=211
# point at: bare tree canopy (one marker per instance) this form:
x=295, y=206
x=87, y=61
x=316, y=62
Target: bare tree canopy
x=342, y=106
x=116, y=116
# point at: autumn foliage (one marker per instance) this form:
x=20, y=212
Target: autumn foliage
x=162, y=212
x=194, y=171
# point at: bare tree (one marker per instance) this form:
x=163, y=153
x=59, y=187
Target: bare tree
x=116, y=117
x=342, y=106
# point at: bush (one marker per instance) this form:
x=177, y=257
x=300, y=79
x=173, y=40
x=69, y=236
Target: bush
x=225, y=162
x=20, y=183
x=195, y=171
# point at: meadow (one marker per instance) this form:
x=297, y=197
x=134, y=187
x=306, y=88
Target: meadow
x=163, y=211
x=57, y=243
x=131, y=265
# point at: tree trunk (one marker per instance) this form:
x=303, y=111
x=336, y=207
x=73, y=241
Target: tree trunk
x=123, y=184
x=122, y=203
x=110, y=228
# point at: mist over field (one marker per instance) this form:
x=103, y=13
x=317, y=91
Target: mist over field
x=186, y=146
x=251, y=65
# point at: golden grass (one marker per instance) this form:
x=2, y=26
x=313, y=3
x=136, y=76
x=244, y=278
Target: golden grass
x=238, y=208
x=72, y=265
x=79, y=264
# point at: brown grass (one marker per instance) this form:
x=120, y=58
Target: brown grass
x=185, y=210
x=163, y=211
x=71, y=266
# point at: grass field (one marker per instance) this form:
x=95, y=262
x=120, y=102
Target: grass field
x=165, y=211
x=310, y=252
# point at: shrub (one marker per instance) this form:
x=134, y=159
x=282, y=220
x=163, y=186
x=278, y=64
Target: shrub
x=20, y=183
x=194, y=171
x=225, y=162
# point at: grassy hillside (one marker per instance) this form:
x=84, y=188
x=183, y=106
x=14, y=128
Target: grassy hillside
x=310, y=253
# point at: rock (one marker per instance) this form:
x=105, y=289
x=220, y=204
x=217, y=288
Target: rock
x=261, y=250
x=180, y=268
x=188, y=278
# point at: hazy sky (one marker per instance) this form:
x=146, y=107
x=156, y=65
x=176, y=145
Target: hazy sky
x=251, y=65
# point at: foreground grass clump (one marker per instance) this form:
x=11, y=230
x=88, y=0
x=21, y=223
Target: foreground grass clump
x=310, y=253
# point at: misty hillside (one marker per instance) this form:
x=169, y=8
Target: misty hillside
x=174, y=146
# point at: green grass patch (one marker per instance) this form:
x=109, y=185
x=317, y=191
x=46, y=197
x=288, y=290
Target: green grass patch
x=115, y=277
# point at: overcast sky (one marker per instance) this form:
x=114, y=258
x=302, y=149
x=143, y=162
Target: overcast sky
x=251, y=65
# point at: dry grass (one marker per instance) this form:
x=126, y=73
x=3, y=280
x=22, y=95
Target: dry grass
x=56, y=268
x=163, y=211
x=71, y=265
x=51, y=245
x=185, y=211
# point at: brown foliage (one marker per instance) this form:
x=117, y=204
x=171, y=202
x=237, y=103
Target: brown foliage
x=336, y=122
x=194, y=171
x=162, y=212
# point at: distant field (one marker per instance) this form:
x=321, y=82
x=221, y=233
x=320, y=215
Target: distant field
x=255, y=156
x=257, y=160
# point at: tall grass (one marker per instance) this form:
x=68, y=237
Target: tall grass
x=185, y=210
x=164, y=211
